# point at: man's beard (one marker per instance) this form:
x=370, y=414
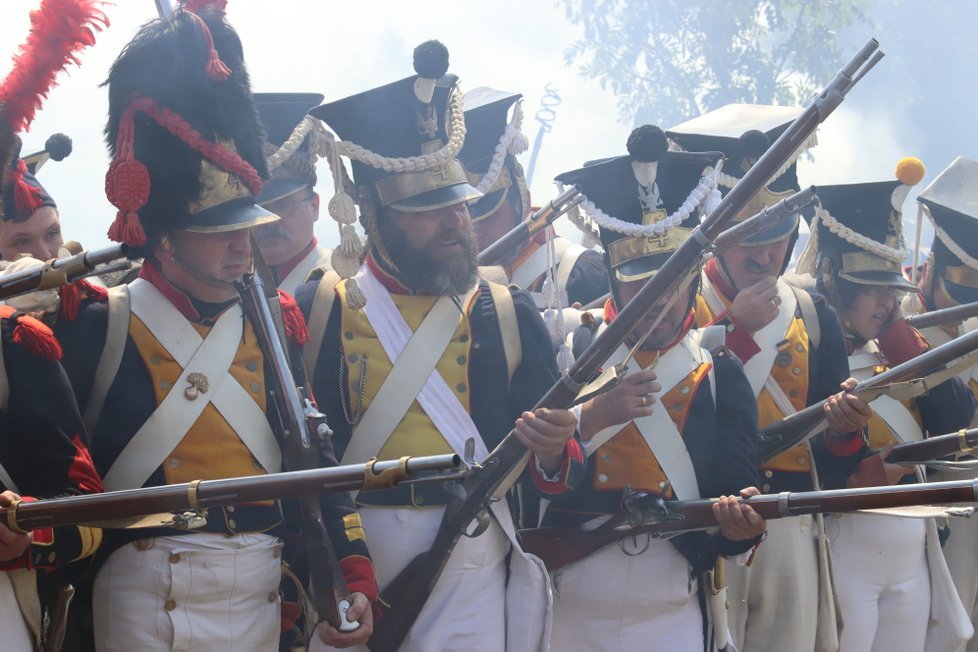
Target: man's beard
x=420, y=269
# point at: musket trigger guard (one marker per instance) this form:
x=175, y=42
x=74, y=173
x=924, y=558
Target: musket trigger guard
x=12, y=517
x=386, y=478
x=192, y=496
x=624, y=548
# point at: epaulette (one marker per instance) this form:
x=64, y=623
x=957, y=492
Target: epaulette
x=74, y=293
x=292, y=319
x=35, y=336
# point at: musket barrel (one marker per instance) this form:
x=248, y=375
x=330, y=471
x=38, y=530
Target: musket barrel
x=934, y=448
x=513, y=239
x=945, y=316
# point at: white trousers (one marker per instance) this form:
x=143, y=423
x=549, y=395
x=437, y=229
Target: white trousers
x=614, y=602
x=195, y=593
x=774, y=601
x=16, y=635
x=881, y=581
x=466, y=609
x=962, y=558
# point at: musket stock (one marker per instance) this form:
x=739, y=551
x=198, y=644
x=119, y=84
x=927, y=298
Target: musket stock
x=117, y=508
x=802, y=425
x=401, y=608
x=62, y=271
x=561, y=545
x=514, y=239
x=946, y=316
x=934, y=448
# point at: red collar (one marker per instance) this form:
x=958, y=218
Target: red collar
x=611, y=311
x=150, y=271
x=719, y=280
x=387, y=279
x=282, y=270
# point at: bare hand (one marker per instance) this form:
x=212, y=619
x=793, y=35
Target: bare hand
x=845, y=412
x=631, y=399
x=756, y=306
x=545, y=432
x=359, y=611
x=894, y=472
x=737, y=521
x=12, y=544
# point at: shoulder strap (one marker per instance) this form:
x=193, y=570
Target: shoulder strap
x=808, y=315
x=509, y=329
x=322, y=305
x=116, y=334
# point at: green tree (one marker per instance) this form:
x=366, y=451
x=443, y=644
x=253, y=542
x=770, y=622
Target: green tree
x=669, y=60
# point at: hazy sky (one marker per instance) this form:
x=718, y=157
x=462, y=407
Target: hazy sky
x=340, y=48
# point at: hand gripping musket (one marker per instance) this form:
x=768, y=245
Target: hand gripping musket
x=62, y=271
x=302, y=429
x=904, y=381
x=515, y=238
x=559, y=546
x=404, y=597
x=185, y=505
x=945, y=316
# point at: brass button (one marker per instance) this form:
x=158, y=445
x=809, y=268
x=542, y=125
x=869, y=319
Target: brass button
x=348, y=335
x=461, y=388
x=154, y=359
x=352, y=358
x=462, y=359
x=766, y=488
x=731, y=328
x=800, y=348
x=272, y=596
x=419, y=500
x=170, y=604
x=251, y=366
x=796, y=371
x=463, y=338
x=230, y=508
x=51, y=557
x=255, y=387
x=684, y=389
x=174, y=463
x=232, y=524
x=143, y=544
x=602, y=477
x=769, y=473
x=801, y=461
x=175, y=558
x=164, y=384
x=662, y=484
x=606, y=458
x=793, y=393
x=256, y=464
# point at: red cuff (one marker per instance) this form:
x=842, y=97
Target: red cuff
x=901, y=342
x=843, y=446
x=358, y=571
x=572, y=452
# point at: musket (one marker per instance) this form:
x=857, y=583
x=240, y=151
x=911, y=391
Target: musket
x=644, y=514
x=302, y=429
x=403, y=599
x=185, y=505
x=62, y=271
x=934, y=448
x=944, y=316
x=802, y=425
x=519, y=235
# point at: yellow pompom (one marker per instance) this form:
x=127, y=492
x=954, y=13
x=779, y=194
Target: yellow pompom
x=910, y=170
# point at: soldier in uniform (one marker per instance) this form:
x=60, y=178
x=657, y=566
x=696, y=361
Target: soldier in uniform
x=794, y=354
x=492, y=141
x=31, y=224
x=289, y=245
x=411, y=352
x=950, y=278
x=168, y=369
x=670, y=432
x=885, y=566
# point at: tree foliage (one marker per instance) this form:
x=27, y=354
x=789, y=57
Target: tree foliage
x=669, y=60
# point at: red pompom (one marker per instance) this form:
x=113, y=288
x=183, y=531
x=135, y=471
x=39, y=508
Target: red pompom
x=294, y=322
x=74, y=293
x=36, y=337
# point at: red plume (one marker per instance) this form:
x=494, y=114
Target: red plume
x=59, y=29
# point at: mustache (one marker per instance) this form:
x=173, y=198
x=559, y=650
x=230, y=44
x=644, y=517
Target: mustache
x=751, y=266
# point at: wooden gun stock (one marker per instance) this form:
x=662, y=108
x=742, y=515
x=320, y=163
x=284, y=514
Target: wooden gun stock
x=934, y=448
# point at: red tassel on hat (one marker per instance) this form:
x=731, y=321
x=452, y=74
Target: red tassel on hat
x=294, y=322
x=127, y=186
x=216, y=69
x=27, y=198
